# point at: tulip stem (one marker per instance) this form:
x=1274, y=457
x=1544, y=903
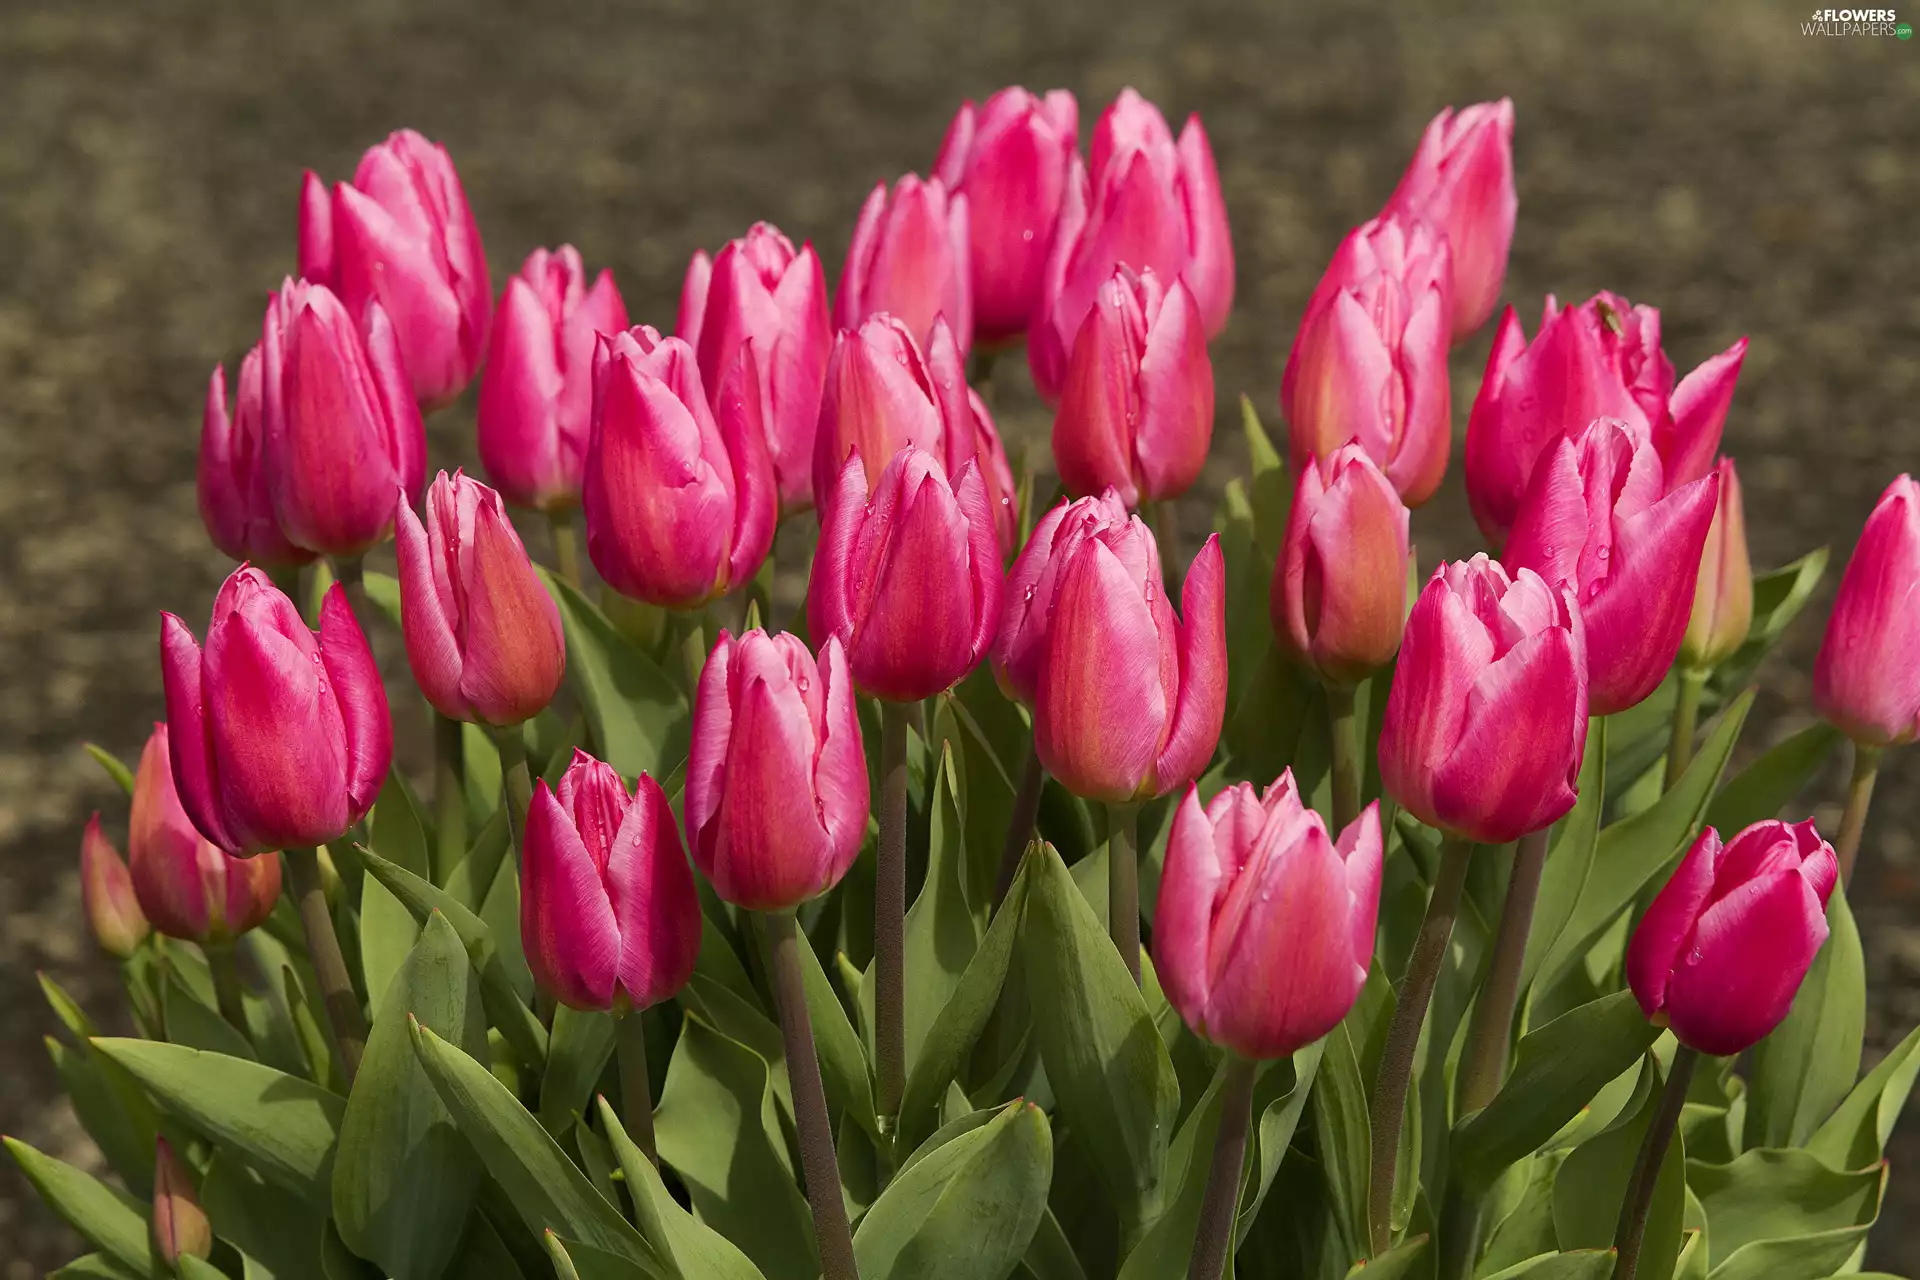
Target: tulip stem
x=1123, y=884
x=1164, y=517
x=1389, y=1104
x=1686, y=714
x=223, y=964
x=1866, y=767
x=980, y=370
x=349, y=572
x=449, y=795
x=636, y=1091
x=516, y=782
x=818, y=1162
x=1629, y=1234
x=890, y=913
x=329, y=966
x=1345, y=733
x=1026, y=809
x=566, y=545
x=1213, y=1242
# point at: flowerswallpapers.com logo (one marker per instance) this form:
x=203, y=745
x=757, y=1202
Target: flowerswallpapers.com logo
x=1856, y=22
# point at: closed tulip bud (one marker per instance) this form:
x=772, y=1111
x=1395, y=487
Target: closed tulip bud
x=757, y=288
x=1487, y=718
x=907, y=578
x=608, y=913
x=1598, y=518
x=536, y=396
x=1725, y=945
x=401, y=233
x=187, y=886
x=1136, y=413
x=1020, y=648
x=1867, y=678
x=1141, y=199
x=1131, y=698
x=680, y=499
x=279, y=737
x=1011, y=158
x=236, y=495
x=1723, y=592
x=180, y=1225
x=1264, y=928
x=909, y=259
x=483, y=636
x=342, y=430
x=776, y=800
x=1339, y=597
x=106, y=892
x=1461, y=179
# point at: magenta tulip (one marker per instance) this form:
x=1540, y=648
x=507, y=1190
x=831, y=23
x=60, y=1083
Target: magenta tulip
x=235, y=489
x=1264, y=928
x=483, y=636
x=680, y=500
x=179, y=1224
x=401, y=233
x=909, y=259
x=1136, y=413
x=1020, y=648
x=1867, y=678
x=106, y=894
x=1723, y=590
x=279, y=738
x=907, y=578
x=1487, y=718
x=1461, y=180
x=609, y=918
x=186, y=886
x=536, y=396
x=1725, y=945
x=1339, y=597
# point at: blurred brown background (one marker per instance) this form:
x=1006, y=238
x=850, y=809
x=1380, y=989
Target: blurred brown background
x=1704, y=157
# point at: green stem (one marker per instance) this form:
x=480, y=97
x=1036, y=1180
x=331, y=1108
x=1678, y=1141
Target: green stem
x=449, y=795
x=224, y=964
x=566, y=544
x=1123, y=885
x=329, y=966
x=1213, y=1242
x=516, y=782
x=1164, y=518
x=1628, y=1235
x=1866, y=767
x=349, y=572
x=1389, y=1103
x=1026, y=808
x=980, y=369
x=286, y=577
x=693, y=655
x=1686, y=715
x=890, y=913
x=636, y=1091
x=1346, y=755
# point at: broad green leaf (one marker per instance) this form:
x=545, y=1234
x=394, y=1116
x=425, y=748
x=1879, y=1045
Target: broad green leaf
x=941, y=935
x=1592, y=1182
x=1576, y=1264
x=987, y=778
x=1343, y=1132
x=843, y=1060
x=1856, y=1134
x=383, y=591
x=637, y=713
x=96, y=1266
x=277, y=1230
x=387, y=929
x=1279, y=1098
x=482, y=775
x=1168, y=1243
x=108, y=1219
x=500, y=910
x=1406, y=1260
x=473, y=876
x=483, y=1254
x=1526, y=1229
x=1050, y=1255
x=577, y=1052
x=191, y=1021
x=1808, y=1064
x=115, y=1114
x=1765, y=787
x=1796, y=1258
x=574, y=1260
x=1778, y=598
x=1570, y=858
x=1768, y=1194
x=676, y=1235
x=192, y=1268
x=116, y=770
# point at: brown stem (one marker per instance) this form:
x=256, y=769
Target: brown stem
x=890, y=913
x=1213, y=1242
x=1866, y=767
x=1629, y=1234
x=329, y=966
x=1026, y=808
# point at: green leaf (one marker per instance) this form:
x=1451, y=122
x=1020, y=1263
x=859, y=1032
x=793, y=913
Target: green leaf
x=387, y=929
x=577, y=1052
x=1049, y=1254
x=1592, y=1182
x=1404, y=1261
x=1765, y=787
x=1526, y=1229
x=481, y=774
x=192, y=1022
x=1577, y=1264
x=1168, y=1243
x=676, y=1235
x=112, y=764
x=941, y=936
x=1277, y=1107
x=1570, y=857
x=277, y=1231
x=574, y=1260
x=637, y=713
x=1796, y=1258
x=192, y=1268
x=1856, y=1134
x=1768, y=1194
x=383, y=591
x=113, y=1111
x=1808, y=1064
x=843, y=1060
x=1778, y=598
x=284, y=1125
x=108, y=1219
x=474, y=874
x=1342, y=1131
x=483, y=1254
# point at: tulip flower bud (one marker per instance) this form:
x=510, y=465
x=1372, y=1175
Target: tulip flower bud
x=1136, y=413
x=776, y=799
x=186, y=886
x=1020, y=648
x=1141, y=199
x=1011, y=158
x=483, y=636
x=758, y=288
x=909, y=259
x=1725, y=945
x=608, y=914
x=1487, y=718
x=401, y=233
x=1131, y=698
x=1264, y=928
x=180, y=1225
x=909, y=578
x=1370, y=360
x=1461, y=179
x=1598, y=518
x=536, y=396
x=279, y=737
x=1723, y=593
x=679, y=498
x=1867, y=678
x=1339, y=597
x=106, y=891
x=236, y=496
x=342, y=430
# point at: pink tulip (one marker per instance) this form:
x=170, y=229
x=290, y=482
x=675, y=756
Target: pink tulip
x=1141, y=199
x=1130, y=698
x=1339, y=597
x=279, y=738
x=186, y=886
x=1264, y=928
x=1020, y=648
x=401, y=233
x=106, y=893
x=1370, y=360
x=776, y=777
x=1487, y=718
x=1011, y=158
x=1461, y=179
x=758, y=288
x=1598, y=518
x=536, y=396
x=483, y=636
x=679, y=498
x=235, y=490
x=1136, y=413
x=1867, y=678
x=341, y=429
x=1725, y=945
x=909, y=258
x=609, y=918
x=179, y=1225
x=907, y=579
x=1723, y=590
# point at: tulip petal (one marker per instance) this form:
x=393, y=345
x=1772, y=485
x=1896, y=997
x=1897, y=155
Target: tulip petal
x=516, y=652
x=567, y=925
x=1099, y=405
x=433, y=653
x=1867, y=677
x=916, y=632
x=1747, y=956
x=1194, y=731
x=381, y=259
x=767, y=853
x=1362, y=849
x=1341, y=389
x=654, y=903
x=1502, y=779
x=520, y=438
x=1183, y=916
x=1175, y=398
x=756, y=496
x=849, y=300
x=1663, y=931
x=707, y=750
x=1419, y=459
x=1699, y=414
x=1209, y=267
x=840, y=767
x=316, y=252
x=195, y=769
x=362, y=701
x=1638, y=616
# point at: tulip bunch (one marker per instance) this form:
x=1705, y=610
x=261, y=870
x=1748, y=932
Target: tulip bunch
x=1026, y=906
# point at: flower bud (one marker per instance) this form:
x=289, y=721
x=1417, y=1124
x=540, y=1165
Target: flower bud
x=1725, y=945
x=1020, y=648
x=236, y=495
x=1461, y=179
x=186, y=886
x=909, y=259
x=180, y=1225
x=1867, y=678
x=106, y=892
x=1723, y=593
x=1339, y=597
x=1264, y=928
